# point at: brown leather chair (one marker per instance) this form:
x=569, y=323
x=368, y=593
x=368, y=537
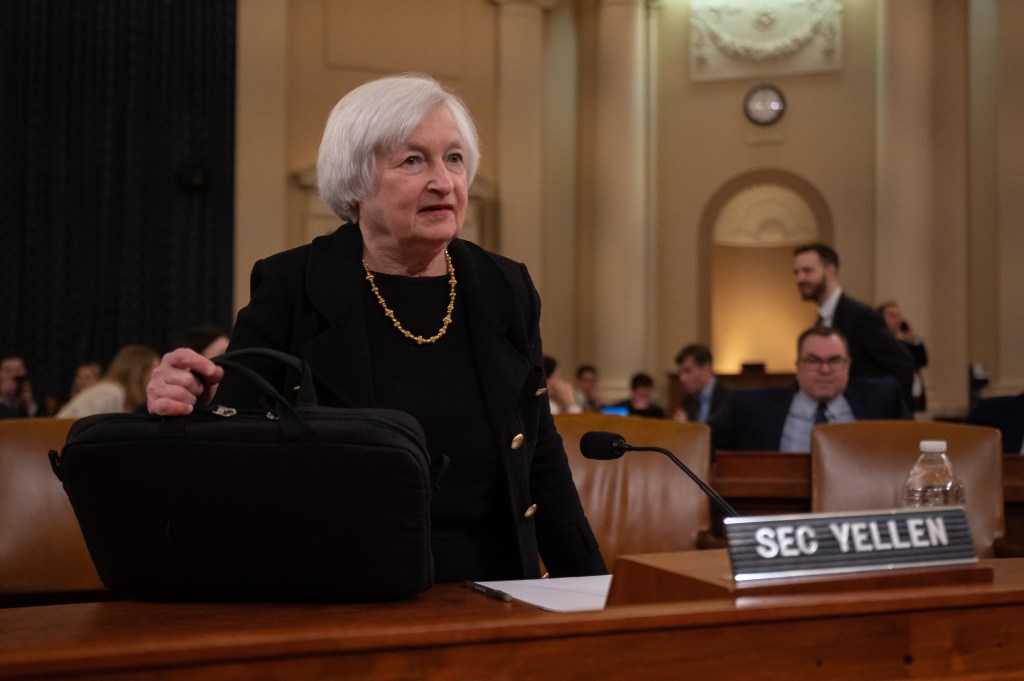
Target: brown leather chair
x=43, y=558
x=642, y=502
x=862, y=466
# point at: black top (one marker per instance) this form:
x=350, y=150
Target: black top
x=312, y=302
x=467, y=505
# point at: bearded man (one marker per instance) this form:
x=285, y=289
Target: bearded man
x=874, y=352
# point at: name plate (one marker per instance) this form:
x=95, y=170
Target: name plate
x=775, y=547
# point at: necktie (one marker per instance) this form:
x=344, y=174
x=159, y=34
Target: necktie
x=821, y=414
x=702, y=411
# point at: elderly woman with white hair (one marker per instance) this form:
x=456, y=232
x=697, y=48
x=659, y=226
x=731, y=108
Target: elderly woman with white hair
x=376, y=309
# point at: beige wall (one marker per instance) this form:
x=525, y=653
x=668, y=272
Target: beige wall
x=825, y=137
x=260, y=149
x=887, y=142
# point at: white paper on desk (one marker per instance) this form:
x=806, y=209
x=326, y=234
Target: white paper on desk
x=559, y=594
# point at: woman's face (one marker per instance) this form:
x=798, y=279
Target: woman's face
x=418, y=202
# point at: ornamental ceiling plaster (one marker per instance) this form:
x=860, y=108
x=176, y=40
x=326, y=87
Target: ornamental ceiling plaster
x=732, y=39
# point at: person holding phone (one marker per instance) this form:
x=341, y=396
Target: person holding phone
x=16, y=397
x=900, y=327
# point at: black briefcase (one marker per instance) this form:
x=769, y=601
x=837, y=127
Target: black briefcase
x=293, y=501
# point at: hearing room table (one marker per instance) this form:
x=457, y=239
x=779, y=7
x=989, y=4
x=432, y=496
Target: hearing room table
x=450, y=632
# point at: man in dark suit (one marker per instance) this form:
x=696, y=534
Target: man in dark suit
x=1006, y=414
x=782, y=418
x=704, y=395
x=905, y=334
x=874, y=351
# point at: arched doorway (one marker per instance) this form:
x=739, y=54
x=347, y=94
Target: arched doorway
x=748, y=232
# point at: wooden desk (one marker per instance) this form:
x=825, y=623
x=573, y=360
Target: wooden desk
x=964, y=631
x=766, y=483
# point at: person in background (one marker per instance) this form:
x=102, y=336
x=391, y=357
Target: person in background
x=206, y=339
x=560, y=394
x=782, y=418
x=86, y=374
x=641, y=398
x=394, y=310
x=16, y=397
x=704, y=395
x=122, y=388
x=586, y=388
x=873, y=350
x=1005, y=413
x=900, y=327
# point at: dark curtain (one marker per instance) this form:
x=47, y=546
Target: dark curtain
x=116, y=182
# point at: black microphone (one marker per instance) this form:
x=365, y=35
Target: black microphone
x=604, y=446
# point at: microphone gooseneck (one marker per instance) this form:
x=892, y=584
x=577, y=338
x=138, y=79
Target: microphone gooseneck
x=604, y=446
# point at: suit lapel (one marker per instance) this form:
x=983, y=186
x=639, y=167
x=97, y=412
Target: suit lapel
x=776, y=423
x=334, y=281
x=499, y=345
x=839, y=315
x=862, y=399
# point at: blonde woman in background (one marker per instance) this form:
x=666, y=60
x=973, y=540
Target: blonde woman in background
x=122, y=388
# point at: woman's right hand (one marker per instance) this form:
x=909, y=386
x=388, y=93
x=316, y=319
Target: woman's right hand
x=183, y=379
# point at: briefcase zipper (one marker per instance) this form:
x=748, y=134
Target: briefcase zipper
x=228, y=412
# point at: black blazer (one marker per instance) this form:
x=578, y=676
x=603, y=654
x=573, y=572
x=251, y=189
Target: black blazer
x=874, y=351
x=309, y=302
x=719, y=398
x=754, y=419
x=1004, y=413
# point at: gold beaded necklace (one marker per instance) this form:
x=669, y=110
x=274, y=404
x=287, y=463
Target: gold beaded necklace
x=390, y=314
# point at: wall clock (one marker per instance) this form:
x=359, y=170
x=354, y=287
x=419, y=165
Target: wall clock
x=764, y=104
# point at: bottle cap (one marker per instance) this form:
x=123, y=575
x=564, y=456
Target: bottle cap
x=936, y=446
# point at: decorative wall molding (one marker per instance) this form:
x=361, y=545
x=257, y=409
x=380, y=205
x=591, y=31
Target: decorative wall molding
x=744, y=38
x=765, y=215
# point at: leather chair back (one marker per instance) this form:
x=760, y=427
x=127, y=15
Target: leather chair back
x=41, y=546
x=642, y=502
x=862, y=466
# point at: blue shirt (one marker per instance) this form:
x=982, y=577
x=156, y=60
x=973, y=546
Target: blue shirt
x=704, y=402
x=796, y=433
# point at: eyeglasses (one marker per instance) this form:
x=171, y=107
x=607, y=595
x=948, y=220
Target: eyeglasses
x=815, y=362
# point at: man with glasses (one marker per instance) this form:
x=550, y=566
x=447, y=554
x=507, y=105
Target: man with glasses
x=782, y=418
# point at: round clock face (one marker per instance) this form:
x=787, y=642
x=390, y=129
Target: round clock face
x=764, y=104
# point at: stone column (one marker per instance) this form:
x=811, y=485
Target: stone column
x=621, y=297
x=1010, y=206
x=260, y=137
x=520, y=113
x=921, y=237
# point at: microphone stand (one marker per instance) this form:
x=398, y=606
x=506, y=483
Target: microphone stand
x=722, y=504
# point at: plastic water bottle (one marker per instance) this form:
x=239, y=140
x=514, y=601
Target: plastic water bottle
x=931, y=481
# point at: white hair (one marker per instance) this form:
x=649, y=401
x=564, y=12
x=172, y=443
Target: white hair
x=380, y=116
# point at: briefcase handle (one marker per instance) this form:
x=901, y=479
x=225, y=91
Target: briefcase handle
x=305, y=393
x=293, y=426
